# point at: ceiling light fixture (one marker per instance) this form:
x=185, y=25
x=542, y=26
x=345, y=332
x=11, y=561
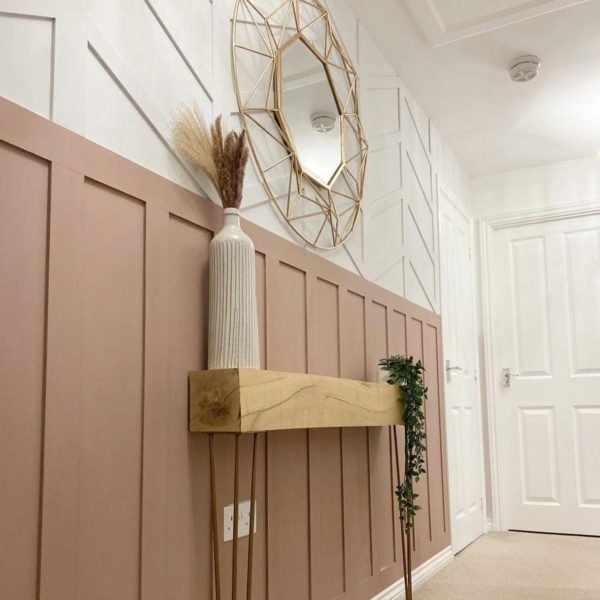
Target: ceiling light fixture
x=322, y=122
x=524, y=68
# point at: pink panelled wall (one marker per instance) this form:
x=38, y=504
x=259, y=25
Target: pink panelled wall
x=103, y=308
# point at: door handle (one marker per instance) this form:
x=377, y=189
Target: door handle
x=449, y=370
x=506, y=375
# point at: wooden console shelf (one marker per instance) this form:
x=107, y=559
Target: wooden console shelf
x=252, y=400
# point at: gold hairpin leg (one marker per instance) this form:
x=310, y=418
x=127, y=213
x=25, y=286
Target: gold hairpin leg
x=252, y=517
x=213, y=521
x=236, y=502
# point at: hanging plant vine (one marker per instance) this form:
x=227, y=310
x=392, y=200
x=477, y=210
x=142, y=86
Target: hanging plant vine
x=408, y=376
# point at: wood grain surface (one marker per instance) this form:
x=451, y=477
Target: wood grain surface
x=247, y=400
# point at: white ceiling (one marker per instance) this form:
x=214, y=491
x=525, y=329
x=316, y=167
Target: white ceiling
x=454, y=54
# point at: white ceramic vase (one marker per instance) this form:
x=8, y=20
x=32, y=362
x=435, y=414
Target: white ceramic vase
x=232, y=316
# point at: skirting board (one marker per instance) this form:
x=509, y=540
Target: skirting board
x=420, y=575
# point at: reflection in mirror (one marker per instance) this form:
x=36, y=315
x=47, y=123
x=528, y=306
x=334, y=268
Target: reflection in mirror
x=309, y=111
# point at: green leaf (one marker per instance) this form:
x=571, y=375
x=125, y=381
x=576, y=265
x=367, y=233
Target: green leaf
x=408, y=375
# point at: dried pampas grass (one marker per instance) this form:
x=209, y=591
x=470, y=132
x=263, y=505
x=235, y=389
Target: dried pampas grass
x=222, y=155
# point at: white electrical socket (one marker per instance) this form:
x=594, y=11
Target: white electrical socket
x=243, y=520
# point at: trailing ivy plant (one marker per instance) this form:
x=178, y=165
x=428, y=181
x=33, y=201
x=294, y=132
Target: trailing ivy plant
x=408, y=376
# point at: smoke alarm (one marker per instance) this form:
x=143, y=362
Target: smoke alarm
x=524, y=68
x=322, y=122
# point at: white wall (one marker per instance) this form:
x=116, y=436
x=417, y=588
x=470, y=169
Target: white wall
x=115, y=70
x=548, y=186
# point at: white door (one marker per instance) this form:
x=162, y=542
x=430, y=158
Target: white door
x=546, y=343
x=463, y=414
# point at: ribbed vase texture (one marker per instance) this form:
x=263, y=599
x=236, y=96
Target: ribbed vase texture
x=233, y=321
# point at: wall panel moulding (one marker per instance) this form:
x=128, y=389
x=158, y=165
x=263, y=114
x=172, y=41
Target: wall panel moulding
x=107, y=275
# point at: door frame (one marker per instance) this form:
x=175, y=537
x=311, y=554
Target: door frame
x=450, y=196
x=487, y=228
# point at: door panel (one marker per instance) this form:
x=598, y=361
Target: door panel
x=463, y=414
x=537, y=435
x=546, y=324
x=531, y=308
x=587, y=440
x=583, y=300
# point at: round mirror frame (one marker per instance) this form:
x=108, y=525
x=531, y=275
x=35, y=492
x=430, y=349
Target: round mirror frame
x=329, y=211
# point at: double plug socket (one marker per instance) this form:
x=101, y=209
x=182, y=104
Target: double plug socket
x=243, y=520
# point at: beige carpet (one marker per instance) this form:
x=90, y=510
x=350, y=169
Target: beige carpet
x=520, y=566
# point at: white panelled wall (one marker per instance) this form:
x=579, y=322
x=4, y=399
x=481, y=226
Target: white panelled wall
x=114, y=71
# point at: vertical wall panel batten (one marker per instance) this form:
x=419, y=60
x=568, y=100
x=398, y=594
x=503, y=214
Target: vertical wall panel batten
x=25, y=190
x=435, y=459
x=440, y=372
x=372, y=434
x=59, y=549
x=430, y=410
x=379, y=438
x=342, y=319
x=271, y=285
x=310, y=322
x=310, y=330
x=261, y=301
x=396, y=327
x=422, y=541
x=156, y=391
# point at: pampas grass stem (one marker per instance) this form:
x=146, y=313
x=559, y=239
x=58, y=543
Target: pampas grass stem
x=221, y=155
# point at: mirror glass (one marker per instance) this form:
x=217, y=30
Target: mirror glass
x=309, y=111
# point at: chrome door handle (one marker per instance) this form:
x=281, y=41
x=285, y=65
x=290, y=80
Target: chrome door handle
x=506, y=375
x=449, y=370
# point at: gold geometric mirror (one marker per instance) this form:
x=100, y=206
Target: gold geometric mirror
x=297, y=96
